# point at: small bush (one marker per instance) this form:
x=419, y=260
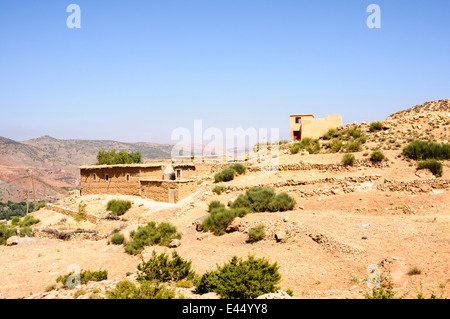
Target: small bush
x=240, y=279
x=262, y=199
x=377, y=156
x=225, y=175
x=84, y=277
x=376, y=126
x=15, y=221
x=331, y=133
x=348, y=159
x=335, y=145
x=82, y=213
x=39, y=206
x=26, y=231
x=256, y=233
x=218, y=189
x=28, y=220
x=184, y=284
x=6, y=231
x=281, y=202
x=146, y=290
x=354, y=145
x=239, y=168
x=215, y=204
x=149, y=235
x=117, y=239
x=118, y=207
x=414, y=271
x=308, y=144
x=421, y=150
x=294, y=148
x=385, y=291
x=354, y=132
x=219, y=219
x=433, y=165
x=163, y=269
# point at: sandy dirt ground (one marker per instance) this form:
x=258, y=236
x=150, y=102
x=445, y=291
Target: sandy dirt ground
x=357, y=230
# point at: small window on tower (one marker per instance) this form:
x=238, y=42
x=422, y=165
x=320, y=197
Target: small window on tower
x=107, y=177
x=94, y=177
x=128, y=177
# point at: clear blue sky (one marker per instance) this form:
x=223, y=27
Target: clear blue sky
x=138, y=69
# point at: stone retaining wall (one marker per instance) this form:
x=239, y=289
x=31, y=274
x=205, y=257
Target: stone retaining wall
x=71, y=212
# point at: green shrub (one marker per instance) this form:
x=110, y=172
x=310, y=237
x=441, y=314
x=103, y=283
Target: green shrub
x=82, y=213
x=218, y=189
x=308, y=144
x=335, y=145
x=6, y=231
x=240, y=279
x=348, y=159
x=215, y=204
x=146, y=290
x=118, y=207
x=377, y=156
x=15, y=221
x=26, y=231
x=421, y=150
x=113, y=158
x=225, y=175
x=28, y=220
x=163, y=269
x=219, y=219
x=281, y=202
x=184, y=284
x=353, y=145
x=414, y=271
x=256, y=233
x=239, y=168
x=433, y=165
x=84, y=277
x=376, y=126
x=385, y=291
x=354, y=132
x=149, y=235
x=262, y=199
x=294, y=148
x=39, y=206
x=331, y=133
x=117, y=239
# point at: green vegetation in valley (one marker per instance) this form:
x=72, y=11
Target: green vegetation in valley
x=122, y=157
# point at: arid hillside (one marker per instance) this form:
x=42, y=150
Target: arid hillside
x=376, y=213
x=55, y=164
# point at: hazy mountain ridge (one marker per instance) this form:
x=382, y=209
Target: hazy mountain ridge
x=55, y=163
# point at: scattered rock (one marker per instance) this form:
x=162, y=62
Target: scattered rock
x=424, y=173
x=174, y=243
x=280, y=236
x=234, y=226
x=203, y=236
x=275, y=295
x=13, y=240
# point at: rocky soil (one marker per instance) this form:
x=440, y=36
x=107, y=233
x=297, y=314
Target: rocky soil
x=347, y=220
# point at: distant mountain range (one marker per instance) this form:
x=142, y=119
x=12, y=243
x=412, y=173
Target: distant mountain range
x=54, y=164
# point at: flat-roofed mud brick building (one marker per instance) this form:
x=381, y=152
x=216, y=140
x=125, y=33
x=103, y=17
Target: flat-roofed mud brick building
x=305, y=125
x=162, y=182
